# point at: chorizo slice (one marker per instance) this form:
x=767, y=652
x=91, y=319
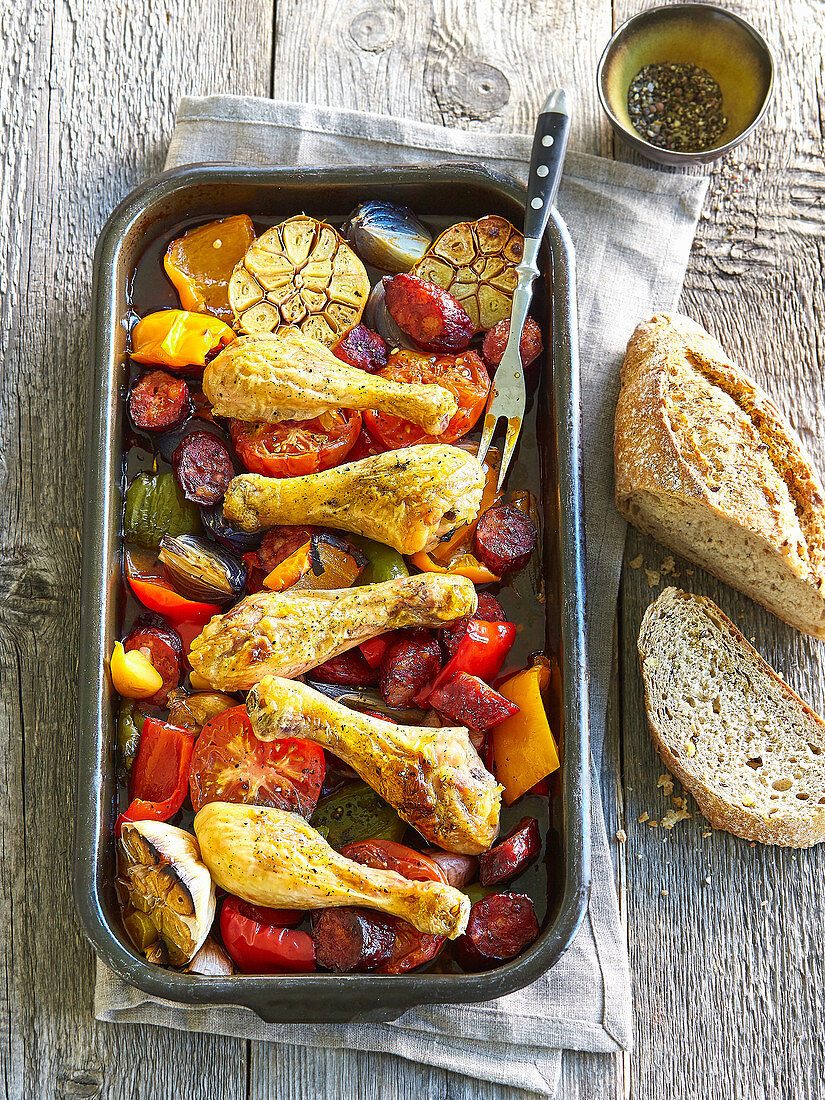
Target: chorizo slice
x=363, y=348
x=500, y=926
x=511, y=855
x=349, y=669
x=467, y=699
x=203, y=468
x=159, y=401
x=407, y=665
x=163, y=647
x=495, y=341
x=430, y=316
x=351, y=938
x=505, y=538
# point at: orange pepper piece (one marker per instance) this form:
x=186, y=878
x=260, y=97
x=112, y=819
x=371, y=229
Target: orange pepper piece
x=178, y=339
x=464, y=565
x=524, y=749
x=289, y=571
x=201, y=262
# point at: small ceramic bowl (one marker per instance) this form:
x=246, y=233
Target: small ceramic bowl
x=734, y=54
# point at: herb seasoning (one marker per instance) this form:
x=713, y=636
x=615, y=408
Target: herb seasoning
x=676, y=106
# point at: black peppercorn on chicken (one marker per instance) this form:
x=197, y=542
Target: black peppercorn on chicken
x=433, y=777
x=408, y=499
x=289, y=376
x=286, y=633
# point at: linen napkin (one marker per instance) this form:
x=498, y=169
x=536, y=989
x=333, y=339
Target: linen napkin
x=632, y=229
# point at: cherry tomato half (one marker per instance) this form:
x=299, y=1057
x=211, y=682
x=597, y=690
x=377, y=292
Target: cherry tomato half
x=230, y=764
x=412, y=948
x=463, y=375
x=259, y=947
x=296, y=447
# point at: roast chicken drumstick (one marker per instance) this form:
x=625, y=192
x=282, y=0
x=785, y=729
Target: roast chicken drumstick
x=270, y=857
x=286, y=633
x=409, y=499
x=289, y=376
x=433, y=777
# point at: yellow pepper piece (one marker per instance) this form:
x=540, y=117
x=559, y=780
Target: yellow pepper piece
x=133, y=674
x=524, y=749
x=177, y=338
x=201, y=262
x=465, y=565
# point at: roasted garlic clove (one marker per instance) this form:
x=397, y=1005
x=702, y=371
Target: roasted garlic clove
x=162, y=874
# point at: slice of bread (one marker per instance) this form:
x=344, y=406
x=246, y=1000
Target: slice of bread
x=706, y=464
x=747, y=748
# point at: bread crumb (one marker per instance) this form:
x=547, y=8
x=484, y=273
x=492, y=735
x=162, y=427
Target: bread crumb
x=645, y=817
x=636, y=563
x=709, y=832
x=667, y=566
x=621, y=836
x=653, y=824
x=680, y=803
x=707, y=880
x=689, y=572
x=674, y=816
x=653, y=578
x=664, y=893
x=666, y=783
x=753, y=844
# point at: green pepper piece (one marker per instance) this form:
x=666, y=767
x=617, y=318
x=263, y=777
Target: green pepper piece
x=356, y=813
x=129, y=724
x=155, y=507
x=385, y=564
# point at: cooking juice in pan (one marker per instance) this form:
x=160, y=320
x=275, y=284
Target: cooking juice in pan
x=349, y=813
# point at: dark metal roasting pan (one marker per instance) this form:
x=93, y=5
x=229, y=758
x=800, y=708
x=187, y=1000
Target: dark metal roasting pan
x=549, y=455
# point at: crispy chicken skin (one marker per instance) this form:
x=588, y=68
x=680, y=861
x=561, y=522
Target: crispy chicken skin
x=270, y=857
x=433, y=777
x=286, y=633
x=290, y=376
x=409, y=499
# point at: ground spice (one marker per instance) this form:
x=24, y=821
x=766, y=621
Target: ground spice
x=676, y=106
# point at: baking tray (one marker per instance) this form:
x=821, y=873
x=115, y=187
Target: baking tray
x=445, y=191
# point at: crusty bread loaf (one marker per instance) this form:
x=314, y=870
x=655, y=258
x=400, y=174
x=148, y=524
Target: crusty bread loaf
x=706, y=464
x=747, y=748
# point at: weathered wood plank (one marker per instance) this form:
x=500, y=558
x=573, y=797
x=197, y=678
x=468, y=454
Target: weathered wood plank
x=87, y=98
x=473, y=66
x=726, y=938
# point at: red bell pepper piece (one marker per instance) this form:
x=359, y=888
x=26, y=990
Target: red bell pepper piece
x=374, y=649
x=467, y=699
x=158, y=595
x=160, y=773
x=481, y=652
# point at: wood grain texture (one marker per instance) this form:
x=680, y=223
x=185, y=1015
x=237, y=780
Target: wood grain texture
x=461, y=63
x=87, y=99
x=726, y=938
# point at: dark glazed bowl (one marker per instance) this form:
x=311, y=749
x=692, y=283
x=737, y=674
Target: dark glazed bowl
x=737, y=57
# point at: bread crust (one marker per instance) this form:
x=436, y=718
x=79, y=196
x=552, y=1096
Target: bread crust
x=800, y=829
x=701, y=441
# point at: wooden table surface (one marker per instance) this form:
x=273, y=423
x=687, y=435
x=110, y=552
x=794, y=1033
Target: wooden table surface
x=725, y=939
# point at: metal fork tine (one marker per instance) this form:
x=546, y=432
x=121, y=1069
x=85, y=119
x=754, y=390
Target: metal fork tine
x=490, y=421
x=513, y=429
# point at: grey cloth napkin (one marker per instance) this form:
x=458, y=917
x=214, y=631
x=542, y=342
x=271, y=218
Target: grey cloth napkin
x=632, y=229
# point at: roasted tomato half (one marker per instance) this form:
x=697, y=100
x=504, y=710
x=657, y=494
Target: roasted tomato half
x=463, y=375
x=230, y=764
x=296, y=447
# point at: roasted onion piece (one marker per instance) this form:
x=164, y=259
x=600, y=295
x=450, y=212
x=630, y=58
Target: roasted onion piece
x=377, y=317
x=387, y=236
x=200, y=570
